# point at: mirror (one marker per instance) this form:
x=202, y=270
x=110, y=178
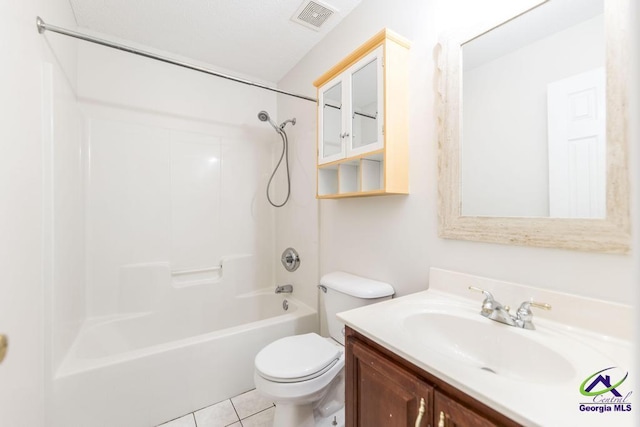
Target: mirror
x=532, y=130
x=364, y=117
x=533, y=123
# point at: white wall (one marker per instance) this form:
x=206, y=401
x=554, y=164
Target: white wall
x=394, y=238
x=634, y=151
x=177, y=173
x=39, y=150
x=505, y=166
x=297, y=221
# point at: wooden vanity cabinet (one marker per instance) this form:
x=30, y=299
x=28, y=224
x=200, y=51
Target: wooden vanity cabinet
x=383, y=393
x=384, y=390
x=448, y=412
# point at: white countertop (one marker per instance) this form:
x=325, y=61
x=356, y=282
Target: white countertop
x=544, y=400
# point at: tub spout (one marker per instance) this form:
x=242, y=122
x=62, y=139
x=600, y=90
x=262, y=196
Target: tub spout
x=284, y=289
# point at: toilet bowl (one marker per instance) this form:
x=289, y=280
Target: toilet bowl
x=297, y=373
x=304, y=374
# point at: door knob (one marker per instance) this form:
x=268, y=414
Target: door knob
x=4, y=343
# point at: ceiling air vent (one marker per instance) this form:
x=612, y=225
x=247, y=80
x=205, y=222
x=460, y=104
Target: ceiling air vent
x=313, y=14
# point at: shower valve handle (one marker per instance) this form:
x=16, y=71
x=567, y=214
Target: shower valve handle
x=290, y=259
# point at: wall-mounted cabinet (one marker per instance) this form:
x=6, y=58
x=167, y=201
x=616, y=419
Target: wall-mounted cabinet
x=363, y=121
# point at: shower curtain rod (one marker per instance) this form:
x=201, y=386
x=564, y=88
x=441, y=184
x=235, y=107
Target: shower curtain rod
x=42, y=27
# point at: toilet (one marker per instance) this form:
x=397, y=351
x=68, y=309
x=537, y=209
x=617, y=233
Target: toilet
x=304, y=374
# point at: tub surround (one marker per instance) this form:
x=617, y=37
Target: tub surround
x=202, y=360
x=590, y=335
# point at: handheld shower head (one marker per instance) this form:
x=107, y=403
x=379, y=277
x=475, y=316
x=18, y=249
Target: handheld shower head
x=263, y=116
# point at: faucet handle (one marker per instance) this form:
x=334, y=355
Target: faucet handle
x=524, y=315
x=542, y=305
x=489, y=304
x=487, y=294
x=525, y=305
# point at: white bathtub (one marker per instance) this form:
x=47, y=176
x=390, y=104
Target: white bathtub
x=139, y=370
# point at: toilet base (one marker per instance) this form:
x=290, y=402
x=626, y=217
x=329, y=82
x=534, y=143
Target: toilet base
x=334, y=420
x=294, y=415
x=304, y=416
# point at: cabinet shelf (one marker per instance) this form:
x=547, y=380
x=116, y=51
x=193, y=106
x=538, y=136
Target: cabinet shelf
x=353, y=194
x=377, y=154
x=362, y=133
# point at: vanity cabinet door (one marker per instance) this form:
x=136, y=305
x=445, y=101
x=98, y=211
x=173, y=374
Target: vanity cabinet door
x=381, y=393
x=449, y=413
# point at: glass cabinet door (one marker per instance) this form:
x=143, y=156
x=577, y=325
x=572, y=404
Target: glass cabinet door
x=366, y=105
x=331, y=138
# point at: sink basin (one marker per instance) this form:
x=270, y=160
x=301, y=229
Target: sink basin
x=490, y=346
x=531, y=376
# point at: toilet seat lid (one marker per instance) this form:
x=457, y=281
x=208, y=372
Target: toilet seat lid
x=297, y=358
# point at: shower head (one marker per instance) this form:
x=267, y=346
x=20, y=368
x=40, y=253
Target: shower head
x=264, y=117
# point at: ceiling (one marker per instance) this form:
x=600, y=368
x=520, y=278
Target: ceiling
x=253, y=38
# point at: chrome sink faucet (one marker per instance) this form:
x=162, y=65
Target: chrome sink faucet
x=524, y=316
x=284, y=289
x=492, y=309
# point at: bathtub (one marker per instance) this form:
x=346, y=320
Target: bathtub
x=142, y=369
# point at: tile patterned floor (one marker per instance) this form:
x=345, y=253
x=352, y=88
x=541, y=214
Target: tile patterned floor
x=246, y=410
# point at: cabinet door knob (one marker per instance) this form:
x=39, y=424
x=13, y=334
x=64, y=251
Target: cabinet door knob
x=442, y=422
x=420, y=412
x=4, y=343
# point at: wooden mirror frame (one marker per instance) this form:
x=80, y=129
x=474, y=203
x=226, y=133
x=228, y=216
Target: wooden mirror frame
x=611, y=234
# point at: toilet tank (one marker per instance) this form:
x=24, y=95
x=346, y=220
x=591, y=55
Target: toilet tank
x=345, y=291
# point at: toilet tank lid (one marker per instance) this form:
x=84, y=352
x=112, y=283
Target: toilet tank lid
x=356, y=286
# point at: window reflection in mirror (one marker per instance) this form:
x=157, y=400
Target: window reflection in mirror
x=533, y=115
